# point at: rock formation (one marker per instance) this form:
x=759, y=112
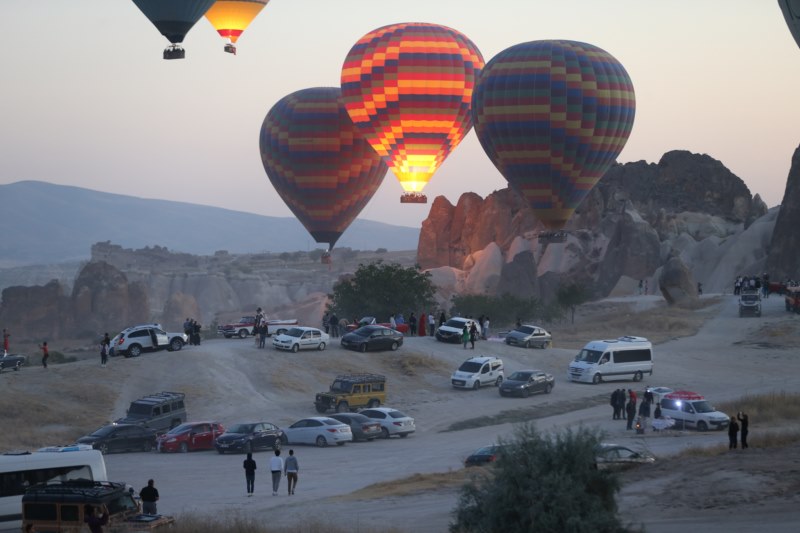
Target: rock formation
x=676, y=282
x=784, y=250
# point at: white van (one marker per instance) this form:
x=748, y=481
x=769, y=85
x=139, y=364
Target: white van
x=618, y=358
x=693, y=411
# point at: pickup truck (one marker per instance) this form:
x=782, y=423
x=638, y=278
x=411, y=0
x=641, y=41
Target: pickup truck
x=245, y=325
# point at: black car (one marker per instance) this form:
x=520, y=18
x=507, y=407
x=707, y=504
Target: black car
x=121, y=438
x=249, y=437
x=13, y=361
x=526, y=382
x=373, y=337
x=363, y=428
x=484, y=456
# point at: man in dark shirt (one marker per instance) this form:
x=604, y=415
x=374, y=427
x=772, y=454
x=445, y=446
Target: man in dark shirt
x=149, y=496
x=250, y=473
x=95, y=521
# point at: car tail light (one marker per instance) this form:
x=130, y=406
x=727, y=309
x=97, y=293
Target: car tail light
x=121, y=340
x=332, y=430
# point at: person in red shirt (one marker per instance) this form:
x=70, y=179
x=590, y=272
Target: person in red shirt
x=6, y=335
x=45, y=353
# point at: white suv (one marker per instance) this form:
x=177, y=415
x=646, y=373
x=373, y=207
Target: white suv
x=146, y=338
x=478, y=371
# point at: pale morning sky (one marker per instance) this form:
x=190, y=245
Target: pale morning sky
x=87, y=100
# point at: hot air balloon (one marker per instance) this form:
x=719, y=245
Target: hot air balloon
x=231, y=17
x=553, y=116
x=791, y=12
x=318, y=161
x=174, y=19
x=408, y=88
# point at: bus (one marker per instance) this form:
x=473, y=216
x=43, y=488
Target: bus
x=22, y=469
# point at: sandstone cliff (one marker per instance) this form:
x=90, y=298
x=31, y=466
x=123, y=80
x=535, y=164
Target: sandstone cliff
x=784, y=250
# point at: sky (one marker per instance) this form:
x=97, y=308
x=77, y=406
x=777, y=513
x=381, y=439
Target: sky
x=87, y=100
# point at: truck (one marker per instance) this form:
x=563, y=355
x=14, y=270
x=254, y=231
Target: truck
x=244, y=327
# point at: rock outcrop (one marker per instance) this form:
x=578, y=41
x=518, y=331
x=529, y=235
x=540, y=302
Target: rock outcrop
x=784, y=250
x=676, y=282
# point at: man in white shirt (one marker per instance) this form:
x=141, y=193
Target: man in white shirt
x=276, y=467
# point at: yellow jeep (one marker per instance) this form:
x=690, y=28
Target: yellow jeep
x=349, y=392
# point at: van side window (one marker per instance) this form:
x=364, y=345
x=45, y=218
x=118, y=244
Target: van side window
x=485, y=369
x=40, y=511
x=166, y=408
x=69, y=513
x=156, y=411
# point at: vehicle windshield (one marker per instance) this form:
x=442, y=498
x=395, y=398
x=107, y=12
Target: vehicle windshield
x=364, y=332
x=294, y=332
x=703, y=407
x=183, y=428
x=453, y=323
x=520, y=376
x=246, y=320
x=340, y=386
x=470, y=367
x=139, y=409
x=749, y=298
x=486, y=450
x=121, y=504
x=588, y=356
x=241, y=428
x=397, y=414
x=103, y=431
x=527, y=330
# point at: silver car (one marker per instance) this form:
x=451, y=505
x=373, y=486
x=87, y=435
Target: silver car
x=527, y=336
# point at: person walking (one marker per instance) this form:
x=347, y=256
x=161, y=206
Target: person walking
x=630, y=411
x=6, y=335
x=745, y=423
x=149, y=496
x=45, y=353
x=276, y=467
x=291, y=468
x=465, y=336
x=733, y=433
x=250, y=466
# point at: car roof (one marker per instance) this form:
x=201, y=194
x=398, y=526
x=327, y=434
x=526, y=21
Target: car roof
x=320, y=419
x=382, y=409
x=483, y=358
x=531, y=370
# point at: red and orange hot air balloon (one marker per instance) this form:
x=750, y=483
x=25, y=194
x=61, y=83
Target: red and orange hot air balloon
x=553, y=116
x=318, y=161
x=231, y=17
x=408, y=87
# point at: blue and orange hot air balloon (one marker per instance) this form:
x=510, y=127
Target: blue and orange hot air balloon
x=174, y=19
x=231, y=17
x=553, y=116
x=318, y=161
x=408, y=87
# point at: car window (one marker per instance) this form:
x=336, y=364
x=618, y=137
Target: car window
x=485, y=369
x=316, y=334
x=299, y=424
x=140, y=333
x=470, y=367
x=183, y=428
x=496, y=365
x=374, y=414
x=397, y=414
x=307, y=335
x=156, y=411
x=294, y=332
x=313, y=423
x=333, y=422
x=165, y=408
x=527, y=330
x=241, y=428
x=520, y=376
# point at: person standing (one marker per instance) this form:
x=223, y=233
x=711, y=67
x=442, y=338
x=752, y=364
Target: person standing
x=103, y=352
x=432, y=324
x=291, y=468
x=45, y=353
x=333, y=323
x=412, y=324
x=733, y=433
x=442, y=319
x=614, y=405
x=249, y=465
x=276, y=467
x=630, y=411
x=6, y=335
x=149, y=496
x=485, y=326
x=94, y=521
x=423, y=321
x=473, y=335
x=745, y=423
x=465, y=336
x=326, y=322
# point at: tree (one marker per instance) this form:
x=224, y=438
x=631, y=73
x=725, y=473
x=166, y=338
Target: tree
x=544, y=484
x=571, y=296
x=379, y=289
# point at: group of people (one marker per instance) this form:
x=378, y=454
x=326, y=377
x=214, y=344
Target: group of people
x=752, y=283
x=192, y=330
x=624, y=406
x=278, y=468
x=734, y=430
x=331, y=325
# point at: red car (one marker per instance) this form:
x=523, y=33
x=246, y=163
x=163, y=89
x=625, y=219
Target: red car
x=190, y=436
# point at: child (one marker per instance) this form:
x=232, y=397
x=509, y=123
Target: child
x=45, y=353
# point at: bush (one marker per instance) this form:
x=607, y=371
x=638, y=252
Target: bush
x=544, y=484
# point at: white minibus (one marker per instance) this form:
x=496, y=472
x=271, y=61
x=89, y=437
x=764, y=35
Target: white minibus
x=618, y=358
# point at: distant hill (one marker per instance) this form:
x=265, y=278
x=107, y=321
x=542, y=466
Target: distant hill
x=45, y=223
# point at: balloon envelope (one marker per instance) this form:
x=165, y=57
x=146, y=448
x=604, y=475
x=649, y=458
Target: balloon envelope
x=173, y=18
x=553, y=116
x=318, y=161
x=408, y=87
x=231, y=17
x=791, y=12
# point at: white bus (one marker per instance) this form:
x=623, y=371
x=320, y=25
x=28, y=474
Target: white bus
x=20, y=470
x=617, y=358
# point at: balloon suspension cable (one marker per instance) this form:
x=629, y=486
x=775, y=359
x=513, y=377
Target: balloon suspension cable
x=174, y=51
x=413, y=198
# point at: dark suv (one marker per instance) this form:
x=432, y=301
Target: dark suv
x=160, y=412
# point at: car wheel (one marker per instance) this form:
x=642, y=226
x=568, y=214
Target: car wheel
x=242, y=333
x=476, y=385
x=395, y=346
x=384, y=433
x=362, y=347
x=702, y=426
x=176, y=345
x=374, y=403
x=526, y=392
x=546, y=344
x=184, y=448
x=277, y=444
x=135, y=350
x=321, y=409
x=637, y=376
x=284, y=439
x=343, y=407
x=147, y=446
x=248, y=448
x=403, y=435
x=498, y=381
x=597, y=378
x=527, y=344
x=548, y=388
x=295, y=348
x=321, y=346
x=18, y=365
x=321, y=442
x=103, y=448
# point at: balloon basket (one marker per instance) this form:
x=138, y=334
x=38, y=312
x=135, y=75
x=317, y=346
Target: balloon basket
x=174, y=52
x=231, y=49
x=326, y=259
x=413, y=198
x=553, y=237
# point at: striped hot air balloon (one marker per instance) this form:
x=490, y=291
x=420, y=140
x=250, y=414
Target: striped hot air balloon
x=174, y=19
x=318, y=161
x=231, y=17
x=408, y=88
x=553, y=116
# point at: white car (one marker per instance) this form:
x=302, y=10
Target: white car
x=393, y=422
x=319, y=430
x=476, y=372
x=301, y=338
x=133, y=341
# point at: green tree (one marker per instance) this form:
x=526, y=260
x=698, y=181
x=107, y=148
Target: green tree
x=379, y=289
x=543, y=483
x=572, y=296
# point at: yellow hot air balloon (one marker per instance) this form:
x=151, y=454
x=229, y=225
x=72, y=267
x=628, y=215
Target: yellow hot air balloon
x=231, y=17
